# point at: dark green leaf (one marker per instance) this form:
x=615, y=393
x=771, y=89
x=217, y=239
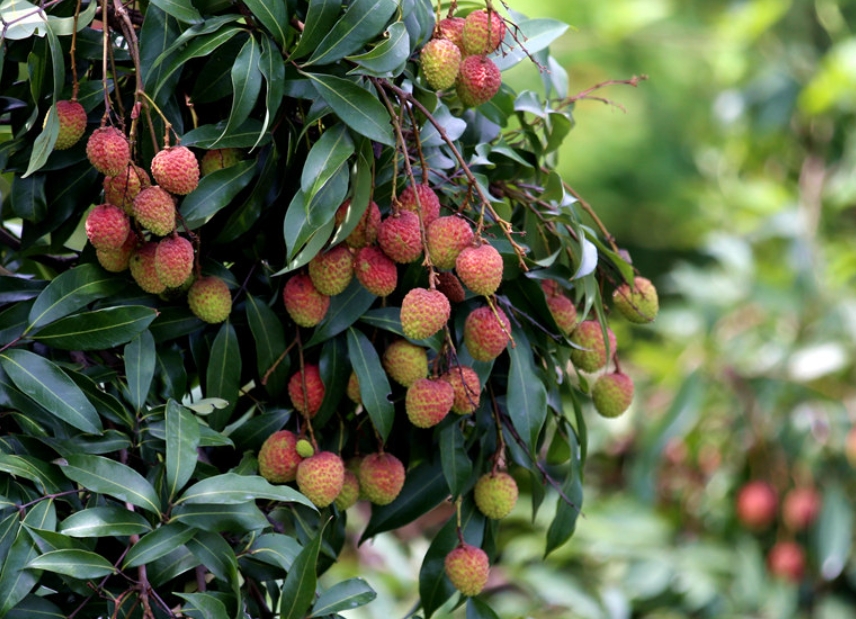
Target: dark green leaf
x=272, y=15
x=75, y=563
x=15, y=580
x=166, y=568
x=215, y=554
x=251, y=434
x=457, y=466
x=233, y=488
x=203, y=606
x=345, y=595
x=107, y=405
x=245, y=136
x=182, y=10
x=234, y=517
x=527, y=396
x=362, y=21
x=374, y=384
x=537, y=34
x=246, y=85
x=174, y=322
x=106, y=476
x=157, y=544
x=140, y=357
x=104, y=521
x=275, y=549
x=201, y=46
x=345, y=309
x=28, y=198
x=568, y=504
x=157, y=36
x=387, y=57
x=269, y=336
x=357, y=107
x=223, y=375
x=43, y=146
x=476, y=609
x=97, y=330
x=320, y=17
x=312, y=221
x=47, y=385
x=13, y=321
x=327, y=155
x=298, y=590
x=833, y=532
x=71, y=291
x=35, y=606
x=216, y=191
x=42, y=473
x=182, y=441
x=15, y=288
x=273, y=71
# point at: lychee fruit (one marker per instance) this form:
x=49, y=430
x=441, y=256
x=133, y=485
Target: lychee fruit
x=174, y=260
x=800, y=508
x=332, y=270
x=381, y=478
x=451, y=28
x=424, y=312
x=278, y=457
x=495, y=494
x=405, y=362
x=480, y=268
x=478, y=80
x=350, y=493
x=375, y=271
x=483, y=32
x=321, y=478
x=421, y=197
x=309, y=401
x=306, y=306
x=449, y=284
x=639, y=304
x=107, y=227
x=612, y=394
x=304, y=448
x=142, y=266
x=757, y=502
x=176, y=170
x=108, y=151
x=786, y=560
x=125, y=186
x=591, y=356
x=209, y=299
x=485, y=335
x=72, y=124
x=154, y=210
x=365, y=232
x=447, y=237
x=468, y=568
x=564, y=312
x=400, y=237
x=467, y=387
x=550, y=287
x=353, y=389
x=440, y=59
x=428, y=401
x=218, y=159
x=118, y=260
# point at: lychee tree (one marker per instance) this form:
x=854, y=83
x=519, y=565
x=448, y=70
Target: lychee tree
x=262, y=260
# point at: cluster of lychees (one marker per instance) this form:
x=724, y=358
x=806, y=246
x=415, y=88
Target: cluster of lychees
x=135, y=227
x=457, y=56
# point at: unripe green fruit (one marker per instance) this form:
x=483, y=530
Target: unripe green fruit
x=218, y=159
x=350, y=493
x=405, y=362
x=612, y=394
x=591, y=355
x=209, y=299
x=563, y=311
x=142, y=266
x=468, y=568
x=639, y=304
x=495, y=494
x=305, y=449
x=440, y=60
x=353, y=389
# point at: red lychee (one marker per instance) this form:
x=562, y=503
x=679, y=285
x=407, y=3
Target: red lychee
x=278, y=457
x=209, y=299
x=353, y=389
x=468, y=568
x=400, y=237
x=142, y=266
x=332, y=270
x=801, y=507
x=550, y=287
x=447, y=237
x=108, y=151
x=756, y=505
x=612, y=394
x=424, y=312
x=309, y=401
x=428, y=401
x=154, y=210
x=306, y=306
x=420, y=197
x=564, y=312
x=478, y=80
x=375, y=271
x=365, y=233
x=174, y=260
x=787, y=560
x=125, y=186
x=451, y=28
x=591, y=355
x=467, y=387
x=485, y=335
x=405, y=362
x=176, y=170
x=449, y=284
x=381, y=478
x=483, y=32
x=218, y=159
x=107, y=227
x=117, y=260
x=440, y=59
x=72, y=124
x=321, y=477
x=480, y=268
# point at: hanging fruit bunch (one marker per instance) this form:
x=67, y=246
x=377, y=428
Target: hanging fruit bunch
x=265, y=262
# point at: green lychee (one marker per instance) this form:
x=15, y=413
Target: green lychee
x=591, y=355
x=467, y=387
x=350, y=493
x=321, y=478
x=108, y=151
x=107, y=227
x=305, y=449
x=495, y=494
x=375, y=271
x=440, y=60
x=405, y=362
x=154, y=210
x=218, y=159
x=308, y=401
x=353, y=389
x=400, y=237
x=303, y=302
x=428, y=401
x=468, y=569
x=176, y=170
x=118, y=260
x=209, y=299
x=639, y=304
x=332, y=270
x=483, y=32
x=278, y=457
x=381, y=478
x=485, y=334
x=72, y=123
x=612, y=394
x=424, y=312
x=480, y=268
x=478, y=80
x=447, y=238
x=174, y=260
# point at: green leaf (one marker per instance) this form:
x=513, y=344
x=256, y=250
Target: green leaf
x=35, y=606
x=357, y=107
x=223, y=375
x=275, y=549
x=833, y=532
x=28, y=199
x=15, y=580
x=235, y=517
x=157, y=544
x=536, y=34
x=345, y=309
x=21, y=20
x=346, y=595
x=29, y=467
x=48, y=386
x=320, y=17
x=43, y=146
x=246, y=85
x=203, y=606
x=476, y=609
x=362, y=21
x=97, y=330
x=71, y=291
x=387, y=57
x=215, y=554
x=273, y=70
x=374, y=384
x=272, y=14
x=215, y=192
x=75, y=563
x=269, y=336
x=201, y=46
x=140, y=360
x=527, y=396
x=182, y=10
x=457, y=466
x=106, y=476
x=103, y=522
x=233, y=488
x=326, y=157
x=309, y=220
x=245, y=136
x=569, y=504
x=182, y=441
x=64, y=26
x=298, y=590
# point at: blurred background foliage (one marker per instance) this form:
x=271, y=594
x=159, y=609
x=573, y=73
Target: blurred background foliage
x=730, y=177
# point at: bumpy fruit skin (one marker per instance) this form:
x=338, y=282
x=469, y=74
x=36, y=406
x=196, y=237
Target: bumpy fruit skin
x=331, y=271
x=142, y=266
x=350, y=493
x=278, y=457
x=478, y=80
x=174, y=260
x=107, y=227
x=309, y=403
x=365, y=232
x=321, y=478
x=427, y=200
x=117, y=260
x=467, y=387
x=564, y=312
x=424, y=312
x=428, y=401
x=485, y=336
x=209, y=299
x=176, y=170
x=757, y=503
x=612, y=394
x=154, y=210
x=800, y=508
x=639, y=304
x=451, y=28
x=108, y=151
x=447, y=238
x=400, y=237
x=306, y=306
x=495, y=494
x=405, y=362
x=480, y=268
x=218, y=159
x=381, y=478
x=440, y=60
x=468, y=568
x=589, y=336
x=551, y=288
x=483, y=32
x=449, y=284
x=376, y=271
x=72, y=124
x=787, y=560
x=353, y=389
x=125, y=186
